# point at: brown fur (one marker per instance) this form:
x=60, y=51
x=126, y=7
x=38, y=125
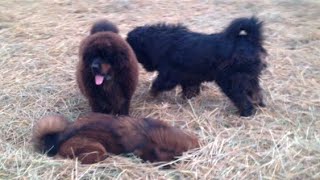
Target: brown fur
x=51, y=124
x=114, y=58
x=93, y=136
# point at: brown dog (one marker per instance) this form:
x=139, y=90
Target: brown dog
x=91, y=137
x=107, y=72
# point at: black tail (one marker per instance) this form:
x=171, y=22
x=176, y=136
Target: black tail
x=249, y=27
x=46, y=134
x=104, y=25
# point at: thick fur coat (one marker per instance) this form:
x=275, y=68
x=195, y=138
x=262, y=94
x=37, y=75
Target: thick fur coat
x=107, y=72
x=91, y=138
x=233, y=58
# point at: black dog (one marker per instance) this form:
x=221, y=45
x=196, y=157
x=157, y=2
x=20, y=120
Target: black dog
x=233, y=58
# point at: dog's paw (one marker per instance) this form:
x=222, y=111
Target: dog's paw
x=188, y=95
x=247, y=112
x=262, y=104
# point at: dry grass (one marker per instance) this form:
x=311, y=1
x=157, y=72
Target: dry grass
x=38, y=51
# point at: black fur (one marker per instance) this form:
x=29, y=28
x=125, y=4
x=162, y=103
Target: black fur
x=51, y=145
x=233, y=58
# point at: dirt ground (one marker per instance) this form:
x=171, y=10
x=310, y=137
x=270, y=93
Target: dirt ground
x=39, y=42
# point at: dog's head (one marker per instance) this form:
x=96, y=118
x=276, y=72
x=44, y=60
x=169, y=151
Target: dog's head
x=166, y=142
x=103, y=55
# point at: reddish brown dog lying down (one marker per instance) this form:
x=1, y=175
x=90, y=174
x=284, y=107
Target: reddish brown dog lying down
x=91, y=137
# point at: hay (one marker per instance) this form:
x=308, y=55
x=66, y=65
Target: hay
x=38, y=50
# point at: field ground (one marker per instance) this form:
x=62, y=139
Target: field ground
x=39, y=42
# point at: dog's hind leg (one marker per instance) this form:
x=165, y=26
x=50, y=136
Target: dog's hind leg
x=189, y=92
x=88, y=151
x=92, y=152
x=162, y=83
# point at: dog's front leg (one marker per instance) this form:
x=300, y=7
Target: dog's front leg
x=189, y=92
x=235, y=89
x=162, y=83
x=255, y=93
x=99, y=106
x=124, y=109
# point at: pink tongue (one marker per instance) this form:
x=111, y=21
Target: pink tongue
x=99, y=79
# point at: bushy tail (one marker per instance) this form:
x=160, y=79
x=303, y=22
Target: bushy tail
x=245, y=27
x=104, y=25
x=46, y=133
